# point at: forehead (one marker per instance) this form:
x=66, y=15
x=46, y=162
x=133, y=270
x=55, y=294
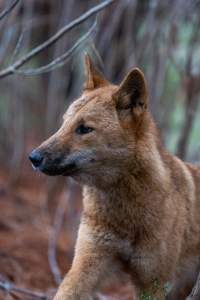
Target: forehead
x=90, y=100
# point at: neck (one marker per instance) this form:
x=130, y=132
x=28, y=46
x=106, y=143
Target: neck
x=137, y=201
x=143, y=184
x=146, y=176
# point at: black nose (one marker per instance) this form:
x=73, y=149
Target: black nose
x=36, y=158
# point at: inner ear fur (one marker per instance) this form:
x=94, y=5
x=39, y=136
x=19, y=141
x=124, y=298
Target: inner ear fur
x=94, y=79
x=132, y=92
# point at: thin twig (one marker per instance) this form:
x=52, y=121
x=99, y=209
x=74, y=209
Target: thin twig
x=35, y=51
x=53, y=238
x=55, y=232
x=11, y=288
x=61, y=60
x=18, y=45
x=8, y=10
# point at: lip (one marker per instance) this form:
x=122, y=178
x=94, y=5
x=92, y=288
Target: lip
x=55, y=170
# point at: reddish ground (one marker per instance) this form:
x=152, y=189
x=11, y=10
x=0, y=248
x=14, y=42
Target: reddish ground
x=25, y=223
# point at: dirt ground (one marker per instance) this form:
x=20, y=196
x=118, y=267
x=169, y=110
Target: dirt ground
x=25, y=227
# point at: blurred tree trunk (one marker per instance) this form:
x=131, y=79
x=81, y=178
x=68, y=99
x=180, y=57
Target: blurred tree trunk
x=191, y=105
x=192, y=89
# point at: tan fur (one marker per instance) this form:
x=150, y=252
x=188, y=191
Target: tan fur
x=141, y=204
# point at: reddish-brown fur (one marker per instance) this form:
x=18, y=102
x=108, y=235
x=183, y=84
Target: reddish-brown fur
x=141, y=204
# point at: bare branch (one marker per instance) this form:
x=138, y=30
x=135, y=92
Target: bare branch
x=11, y=289
x=18, y=45
x=61, y=60
x=53, y=238
x=35, y=51
x=8, y=10
x=55, y=232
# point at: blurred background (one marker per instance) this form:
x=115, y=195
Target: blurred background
x=40, y=216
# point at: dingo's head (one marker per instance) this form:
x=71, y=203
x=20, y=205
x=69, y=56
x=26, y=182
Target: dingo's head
x=99, y=135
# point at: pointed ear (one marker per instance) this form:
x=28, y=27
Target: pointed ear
x=94, y=79
x=132, y=94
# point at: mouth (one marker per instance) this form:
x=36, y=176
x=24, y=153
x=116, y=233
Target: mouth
x=56, y=170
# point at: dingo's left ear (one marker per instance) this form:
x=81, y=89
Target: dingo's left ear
x=94, y=79
x=132, y=93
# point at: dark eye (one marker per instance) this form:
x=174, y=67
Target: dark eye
x=82, y=129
